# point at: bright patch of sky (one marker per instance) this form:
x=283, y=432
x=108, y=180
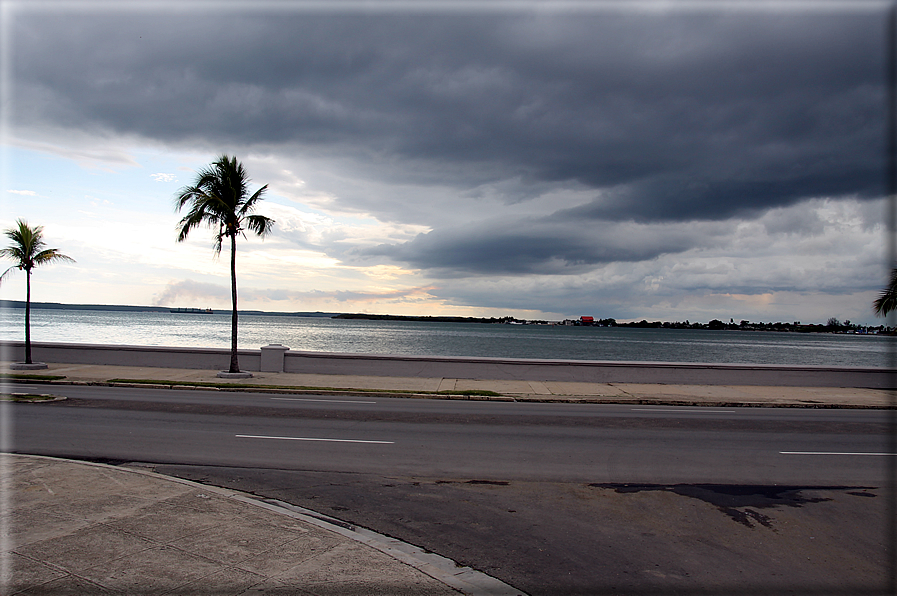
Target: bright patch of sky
x=120, y=225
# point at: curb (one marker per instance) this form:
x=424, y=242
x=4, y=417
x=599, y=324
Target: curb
x=443, y=569
x=642, y=401
x=282, y=390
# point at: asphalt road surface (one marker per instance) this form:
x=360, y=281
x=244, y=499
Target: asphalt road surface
x=550, y=498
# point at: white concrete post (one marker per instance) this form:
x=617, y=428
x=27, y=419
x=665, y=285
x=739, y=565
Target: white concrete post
x=272, y=358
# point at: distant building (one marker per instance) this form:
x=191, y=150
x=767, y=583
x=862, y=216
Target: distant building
x=587, y=320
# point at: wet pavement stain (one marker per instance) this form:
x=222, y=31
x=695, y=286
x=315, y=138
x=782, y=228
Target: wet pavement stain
x=490, y=482
x=740, y=502
x=862, y=494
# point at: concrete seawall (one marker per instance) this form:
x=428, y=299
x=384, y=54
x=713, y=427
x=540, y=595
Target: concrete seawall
x=274, y=359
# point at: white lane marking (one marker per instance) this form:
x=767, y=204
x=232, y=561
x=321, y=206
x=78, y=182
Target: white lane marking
x=697, y=410
x=313, y=439
x=831, y=453
x=335, y=401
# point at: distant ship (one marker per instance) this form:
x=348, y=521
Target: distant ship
x=192, y=311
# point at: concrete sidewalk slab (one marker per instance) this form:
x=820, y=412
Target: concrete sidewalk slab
x=83, y=528
x=584, y=389
x=757, y=395
x=519, y=390
x=96, y=373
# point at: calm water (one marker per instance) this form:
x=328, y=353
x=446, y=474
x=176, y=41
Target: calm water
x=449, y=339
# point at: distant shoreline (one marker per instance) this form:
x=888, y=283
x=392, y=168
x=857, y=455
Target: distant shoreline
x=714, y=325
x=189, y=310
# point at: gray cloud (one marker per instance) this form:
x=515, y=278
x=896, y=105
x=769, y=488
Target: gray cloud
x=542, y=247
x=682, y=116
x=673, y=128
x=836, y=255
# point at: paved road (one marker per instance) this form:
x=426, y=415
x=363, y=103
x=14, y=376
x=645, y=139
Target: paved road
x=551, y=498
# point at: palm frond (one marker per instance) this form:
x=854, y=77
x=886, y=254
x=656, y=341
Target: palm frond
x=5, y=273
x=887, y=301
x=250, y=203
x=50, y=255
x=194, y=218
x=259, y=224
x=12, y=252
x=219, y=237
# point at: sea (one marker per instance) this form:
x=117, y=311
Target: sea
x=323, y=334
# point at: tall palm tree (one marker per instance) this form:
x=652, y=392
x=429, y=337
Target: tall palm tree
x=887, y=301
x=220, y=199
x=28, y=250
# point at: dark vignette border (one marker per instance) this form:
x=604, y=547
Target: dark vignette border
x=891, y=253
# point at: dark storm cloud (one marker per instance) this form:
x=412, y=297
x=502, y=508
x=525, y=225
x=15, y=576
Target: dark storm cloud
x=666, y=117
x=538, y=247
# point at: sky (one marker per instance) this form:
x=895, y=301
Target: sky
x=631, y=160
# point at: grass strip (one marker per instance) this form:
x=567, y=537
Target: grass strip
x=30, y=377
x=478, y=392
x=483, y=392
x=26, y=397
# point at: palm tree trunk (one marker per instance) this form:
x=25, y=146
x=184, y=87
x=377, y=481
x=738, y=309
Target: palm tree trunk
x=234, y=364
x=28, y=316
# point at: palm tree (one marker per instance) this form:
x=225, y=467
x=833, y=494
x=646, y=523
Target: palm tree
x=28, y=250
x=219, y=198
x=887, y=301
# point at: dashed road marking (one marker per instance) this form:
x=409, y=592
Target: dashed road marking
x=329, y=401
x=695, y=410
x=831, y=453
x=313, y=439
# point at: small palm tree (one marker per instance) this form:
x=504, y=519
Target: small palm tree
x=220, y=199
x=887, y=301
x=28, y=251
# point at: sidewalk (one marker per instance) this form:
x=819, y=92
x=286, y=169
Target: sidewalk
x=81, y=528
x=628, y=393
